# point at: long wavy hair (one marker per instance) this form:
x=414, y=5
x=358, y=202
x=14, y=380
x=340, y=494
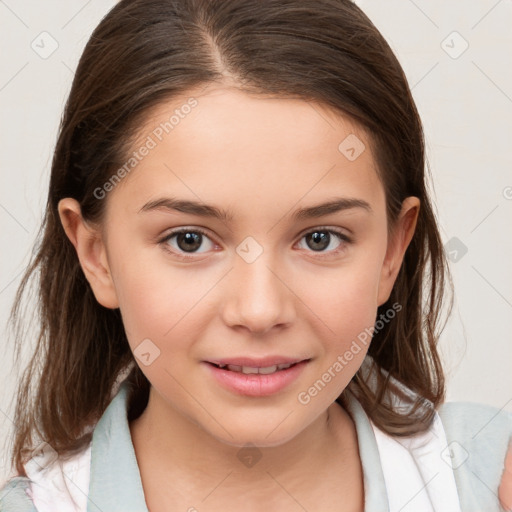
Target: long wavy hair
x=145, y=52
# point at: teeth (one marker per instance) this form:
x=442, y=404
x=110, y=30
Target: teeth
x=248, y=369
x=268, y=369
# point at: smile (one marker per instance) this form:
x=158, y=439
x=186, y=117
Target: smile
x=255, y=381
x=248, y=369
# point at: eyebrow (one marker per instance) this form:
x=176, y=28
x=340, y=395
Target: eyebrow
x=205, y=210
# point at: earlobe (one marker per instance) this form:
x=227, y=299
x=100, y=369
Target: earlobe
x=90, y=248
x=397, y=245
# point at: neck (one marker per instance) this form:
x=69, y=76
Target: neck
x=171, y=448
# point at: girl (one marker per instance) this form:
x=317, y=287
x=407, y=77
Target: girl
x=241, y=279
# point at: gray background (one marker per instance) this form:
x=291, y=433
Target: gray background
x=457, y=58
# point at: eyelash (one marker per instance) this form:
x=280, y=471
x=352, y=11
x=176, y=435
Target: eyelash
x=341, y=236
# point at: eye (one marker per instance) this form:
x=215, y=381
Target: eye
x=186, y=241
x=183, y=241
x=320, y=239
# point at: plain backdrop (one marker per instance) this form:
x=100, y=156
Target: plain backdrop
x=456, y=56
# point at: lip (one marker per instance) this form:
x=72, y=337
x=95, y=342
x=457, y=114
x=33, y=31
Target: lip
x=257, y=362
x=255, y=384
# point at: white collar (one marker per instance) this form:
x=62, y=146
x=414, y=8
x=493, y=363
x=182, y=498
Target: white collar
x=58, y=485
x=418, y=474
x=417, y=469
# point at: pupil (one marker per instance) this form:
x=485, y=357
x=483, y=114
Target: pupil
x=320, y=240
x=192, y=241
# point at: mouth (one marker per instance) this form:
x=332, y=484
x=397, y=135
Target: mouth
x=265, y=370
x=256, y=378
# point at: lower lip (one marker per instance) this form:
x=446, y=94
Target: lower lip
x=255, y=384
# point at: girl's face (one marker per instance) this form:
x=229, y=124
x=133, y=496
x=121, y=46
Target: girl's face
x=251, y=279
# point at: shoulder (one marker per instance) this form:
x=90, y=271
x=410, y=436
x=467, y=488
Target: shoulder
x=477, y=430
x=476, y=423
x=15, y=496
x=477, y=439
x=54, y=482
x=50, y=481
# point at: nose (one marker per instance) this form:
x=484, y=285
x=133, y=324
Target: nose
x=258, y=296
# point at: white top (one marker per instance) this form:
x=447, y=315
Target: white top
x=59, y=486
x=418, y=463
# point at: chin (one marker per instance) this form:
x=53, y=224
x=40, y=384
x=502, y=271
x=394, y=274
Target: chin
x=253, y=437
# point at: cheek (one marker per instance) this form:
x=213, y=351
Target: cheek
x=346, y=302
x=343, y=311
x=157, y=301
x=345, y=299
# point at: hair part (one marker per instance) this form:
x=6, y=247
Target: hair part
x=146, y=52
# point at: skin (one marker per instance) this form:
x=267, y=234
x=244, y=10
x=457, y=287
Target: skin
x=261, y=159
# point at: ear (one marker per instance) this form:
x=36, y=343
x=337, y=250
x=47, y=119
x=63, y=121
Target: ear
x=397, y=244
x=91, y=252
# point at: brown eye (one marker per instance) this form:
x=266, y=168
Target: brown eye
x=186, y=241
x=189, y=241
x=320, y=240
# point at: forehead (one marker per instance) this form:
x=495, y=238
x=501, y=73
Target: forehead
x=224, y=145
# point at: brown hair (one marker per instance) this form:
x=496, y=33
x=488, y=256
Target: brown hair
x=145, y=52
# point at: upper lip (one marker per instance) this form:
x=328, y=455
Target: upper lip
x=263, y=362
